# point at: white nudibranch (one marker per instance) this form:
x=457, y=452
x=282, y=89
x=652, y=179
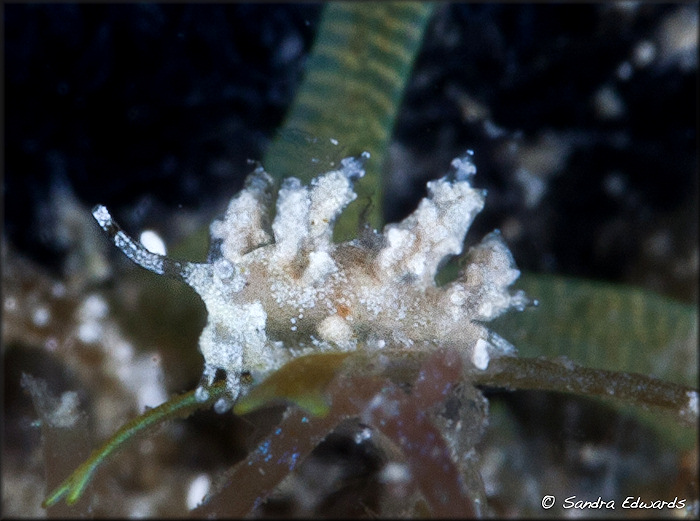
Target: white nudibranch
x=275, y=291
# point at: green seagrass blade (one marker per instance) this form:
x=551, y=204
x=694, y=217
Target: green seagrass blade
x=354, y=81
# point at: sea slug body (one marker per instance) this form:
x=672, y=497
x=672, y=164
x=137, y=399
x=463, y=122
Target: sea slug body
x=277, y=290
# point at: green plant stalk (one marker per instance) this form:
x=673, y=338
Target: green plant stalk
x=355, y=78
x=178, y=407
x=565, y=376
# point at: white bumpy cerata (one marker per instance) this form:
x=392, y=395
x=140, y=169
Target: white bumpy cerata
x=274, y=291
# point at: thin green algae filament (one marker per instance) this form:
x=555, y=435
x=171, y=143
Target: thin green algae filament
x=178, y=407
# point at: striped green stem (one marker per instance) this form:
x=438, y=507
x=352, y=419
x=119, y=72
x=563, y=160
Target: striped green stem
x=356, y=75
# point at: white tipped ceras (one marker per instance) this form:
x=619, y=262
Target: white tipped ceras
x=274, y=291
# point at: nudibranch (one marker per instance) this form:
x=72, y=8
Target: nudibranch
x=276, y=289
